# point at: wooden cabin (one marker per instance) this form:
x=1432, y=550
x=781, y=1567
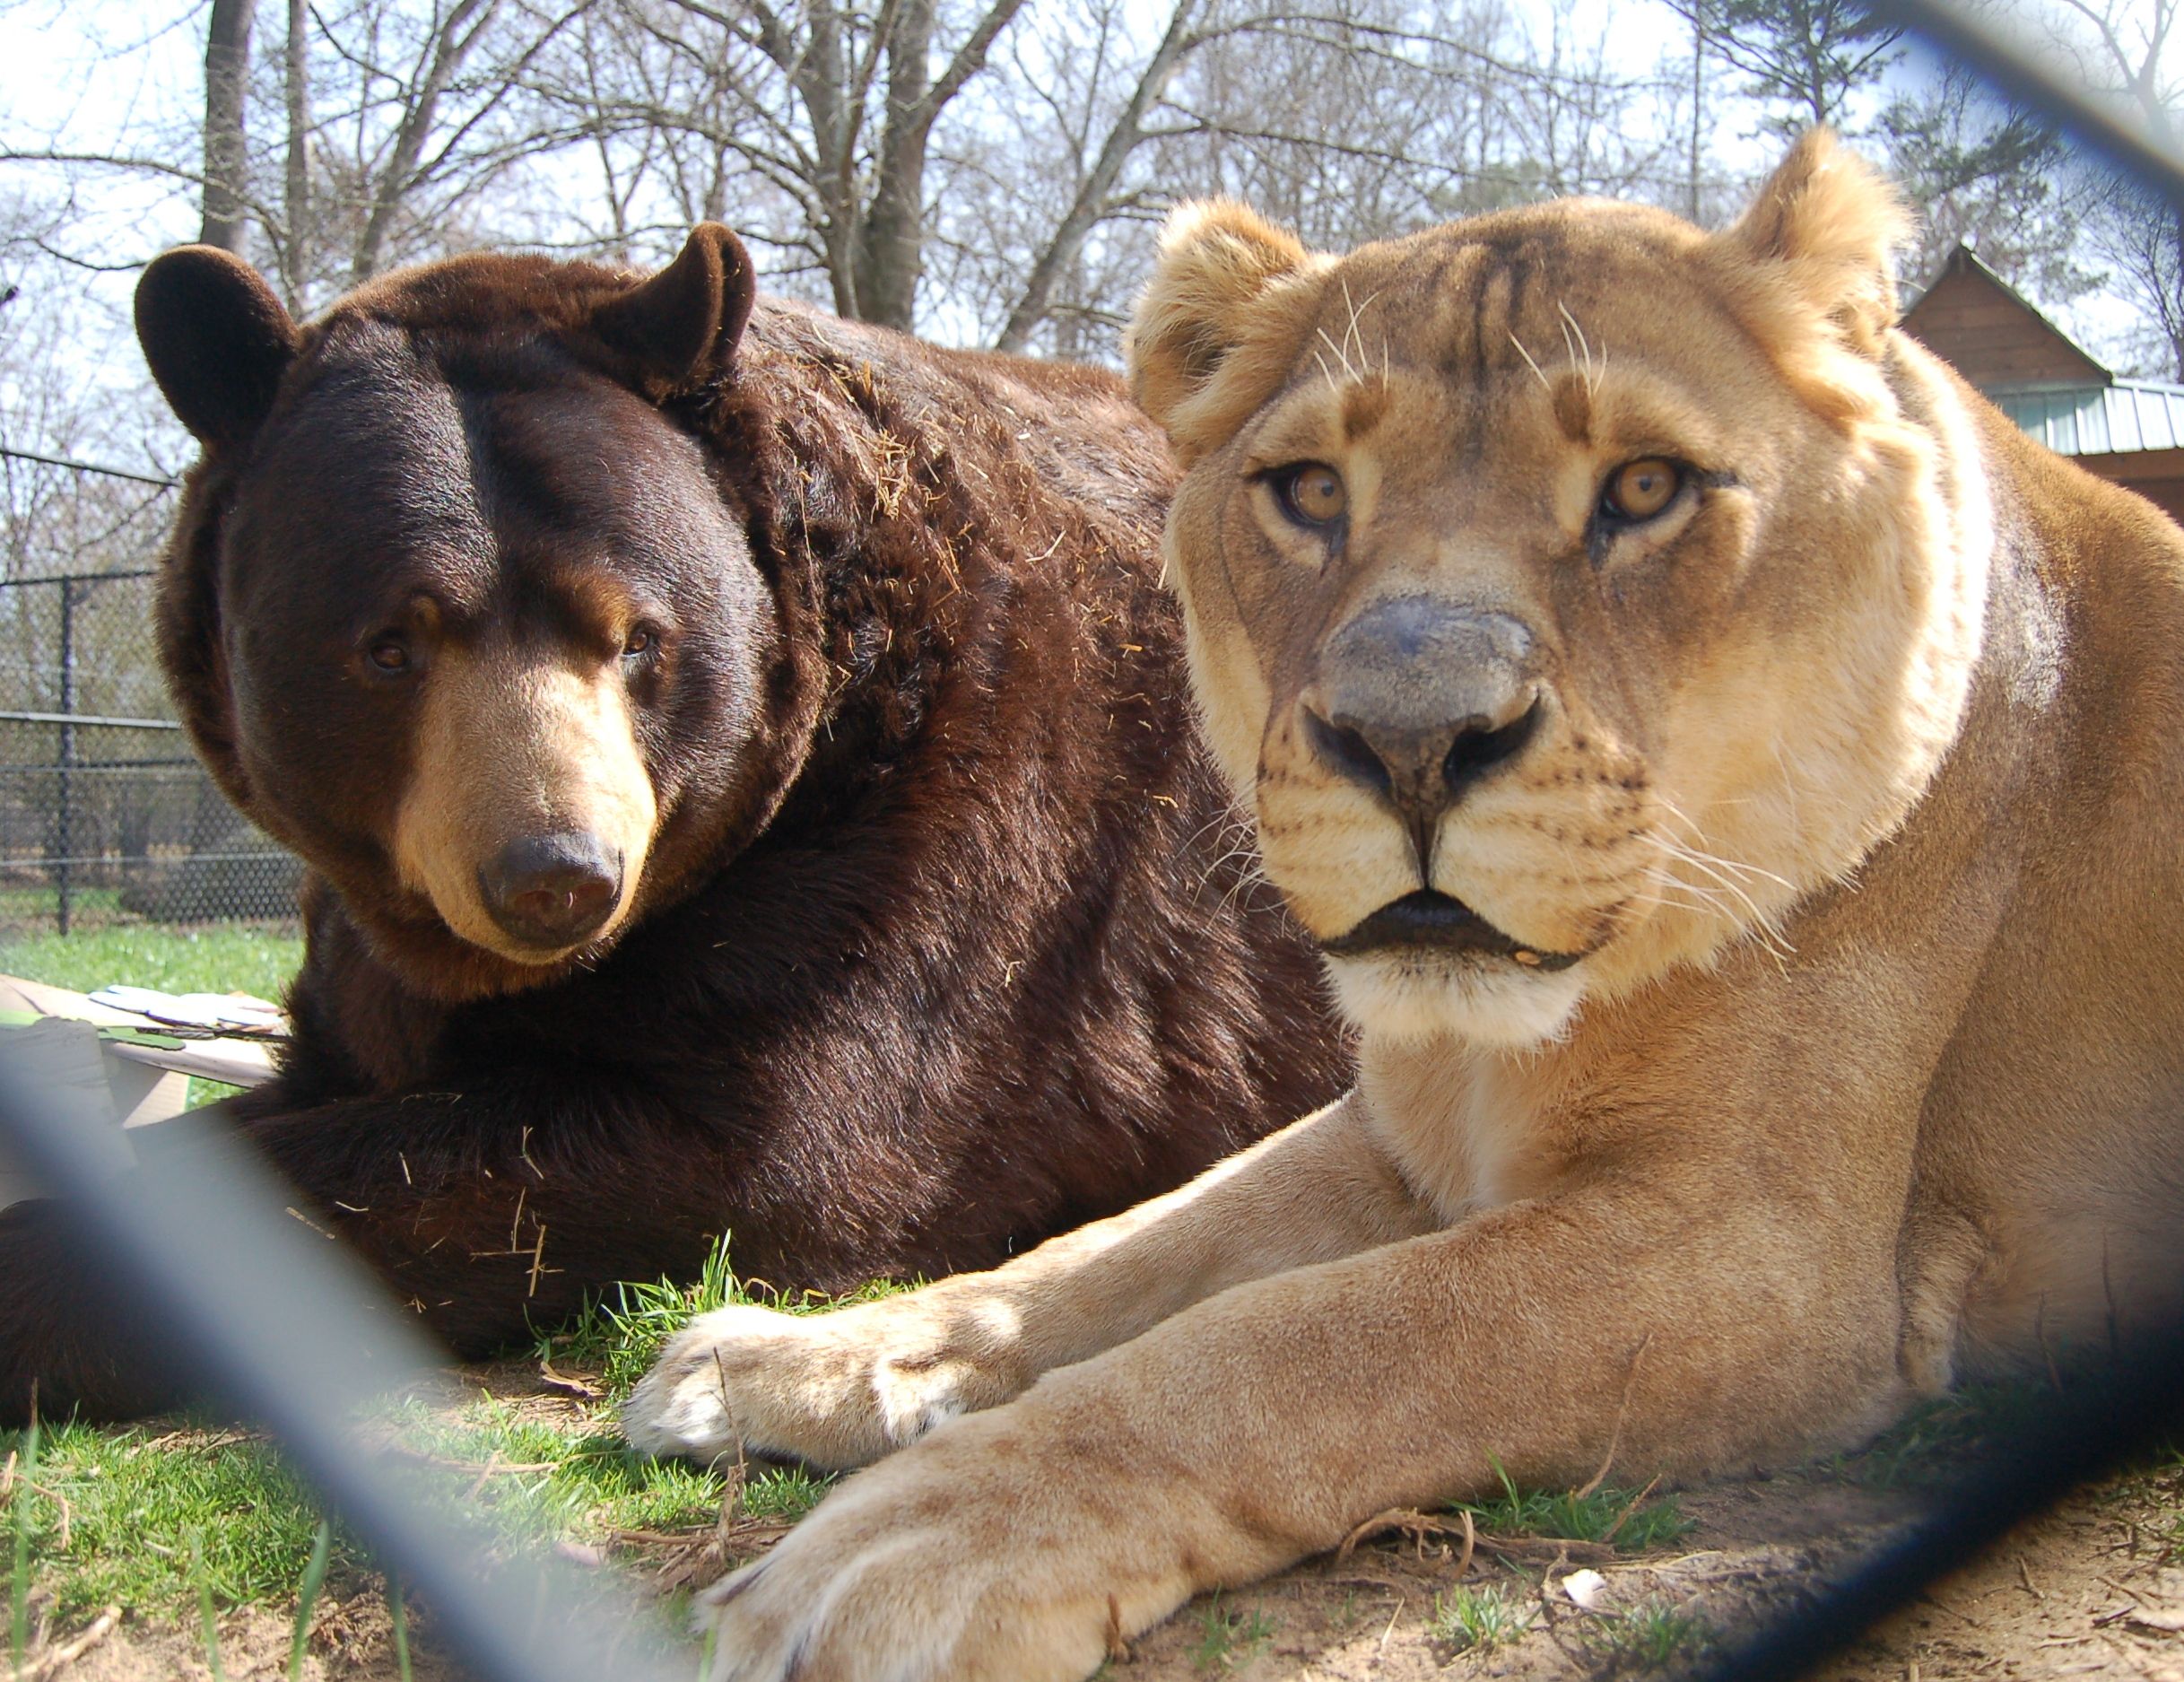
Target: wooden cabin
x=2129, y=430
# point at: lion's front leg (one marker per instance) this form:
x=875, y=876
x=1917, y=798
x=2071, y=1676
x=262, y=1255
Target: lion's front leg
x=1262, y=1424
x=841, y=1389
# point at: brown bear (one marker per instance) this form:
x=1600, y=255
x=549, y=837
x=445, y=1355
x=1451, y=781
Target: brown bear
x=742, y=759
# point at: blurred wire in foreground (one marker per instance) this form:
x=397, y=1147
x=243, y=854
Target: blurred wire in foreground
x=2012, y=68
x=2088, y=1428
x=266, y=1312
x=2103, y=1418
x=268, y=1315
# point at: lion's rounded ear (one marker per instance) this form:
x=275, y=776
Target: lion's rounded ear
x=1829, y=223
x=684, y=323
x=217, y=339
x=1206, y=343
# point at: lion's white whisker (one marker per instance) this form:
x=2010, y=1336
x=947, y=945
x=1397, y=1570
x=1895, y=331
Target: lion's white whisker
x=1759, y=921
x=1544, y=384
x=1341, y=355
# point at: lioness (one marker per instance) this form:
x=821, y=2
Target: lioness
x=1734, y=777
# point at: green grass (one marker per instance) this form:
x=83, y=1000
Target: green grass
x=208, y=1616
x=1227, y=1640
x=785, y=1493
x=307, y=1597
x=2154, y=1485
x=1603, y=1515
x=622, y=1335
x=174, y=1524
x=21, y=1464
x=1478, y=1620
x=1651, y=1635
x=156, y=1525
x=1935, y=1438
x=178, y=1525
x=137, y=1508
x=217, y=958
x=399, y=1620
x=29, y=905
x=550, y=1482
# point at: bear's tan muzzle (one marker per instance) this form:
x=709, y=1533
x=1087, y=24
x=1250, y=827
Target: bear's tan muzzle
x=529, y=811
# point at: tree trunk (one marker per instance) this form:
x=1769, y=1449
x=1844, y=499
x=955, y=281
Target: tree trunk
x=227, y=74
x=891, y=244
x=296, y=201
x=887, y=247
x=458, y=34
x=1084, y=215
x=2168, y=290
x=1698, y=99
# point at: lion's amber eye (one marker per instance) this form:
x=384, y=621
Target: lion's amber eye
x=1313, y=493
x=1638, y=490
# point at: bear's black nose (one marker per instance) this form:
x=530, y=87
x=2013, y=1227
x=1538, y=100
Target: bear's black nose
x=552, y=891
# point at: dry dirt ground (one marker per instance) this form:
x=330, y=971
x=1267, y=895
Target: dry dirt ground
x=2094, y=1587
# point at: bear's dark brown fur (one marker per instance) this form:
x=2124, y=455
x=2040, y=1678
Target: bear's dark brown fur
x=936, y=939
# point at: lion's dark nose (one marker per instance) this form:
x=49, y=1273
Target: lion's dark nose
x=1418, y=699
x=553, y=890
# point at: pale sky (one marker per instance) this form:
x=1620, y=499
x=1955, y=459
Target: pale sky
x=87, y=70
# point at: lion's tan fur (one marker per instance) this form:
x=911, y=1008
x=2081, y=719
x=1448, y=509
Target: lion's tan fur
x=1853, y=791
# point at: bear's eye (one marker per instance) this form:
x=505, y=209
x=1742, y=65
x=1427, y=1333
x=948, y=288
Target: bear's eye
x=390, y=654
x=1311, y=493
x=1638, y=490
x=640, y=642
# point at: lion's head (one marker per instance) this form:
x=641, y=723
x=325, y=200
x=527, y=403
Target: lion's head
x=1570, y=590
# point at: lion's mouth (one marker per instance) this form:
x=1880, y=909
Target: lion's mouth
x=1429, y=921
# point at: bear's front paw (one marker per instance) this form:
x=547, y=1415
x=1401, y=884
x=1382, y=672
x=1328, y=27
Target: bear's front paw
x=835, y=1390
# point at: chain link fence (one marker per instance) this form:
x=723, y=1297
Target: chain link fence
x=106, y=816
x=260, y=1313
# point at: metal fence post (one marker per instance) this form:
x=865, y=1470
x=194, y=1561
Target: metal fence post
x=92, y=798
x=65, y=831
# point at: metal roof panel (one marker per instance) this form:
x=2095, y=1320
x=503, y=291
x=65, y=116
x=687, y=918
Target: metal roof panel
x=2130, y=415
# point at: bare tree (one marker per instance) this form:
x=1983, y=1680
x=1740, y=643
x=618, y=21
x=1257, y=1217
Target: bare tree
x=1990, y=175
x=1807, y=60
x=1096, y=198
x=296, y=171
x=424, y=122
x=832, y=109
x=2143, y=241
x=227, y=75
x=2129, y=49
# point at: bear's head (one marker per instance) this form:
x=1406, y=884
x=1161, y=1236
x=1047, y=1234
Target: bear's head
x=463, y=604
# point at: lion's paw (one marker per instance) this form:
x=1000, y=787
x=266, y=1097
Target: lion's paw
x=836, y=1389
x=919, y=1570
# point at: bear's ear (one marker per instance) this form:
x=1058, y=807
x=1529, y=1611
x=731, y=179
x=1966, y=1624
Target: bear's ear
x=1828, y=222
x=217, y=339
x=684, y=323
x=1209, y=342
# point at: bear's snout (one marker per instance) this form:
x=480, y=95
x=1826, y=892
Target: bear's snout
x=529, y=812
x=552, y=891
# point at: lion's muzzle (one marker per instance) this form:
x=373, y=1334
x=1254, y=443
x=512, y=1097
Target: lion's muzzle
x=1419, y=699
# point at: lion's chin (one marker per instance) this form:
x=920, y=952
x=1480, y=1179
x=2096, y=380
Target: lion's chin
x=1425, y=995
